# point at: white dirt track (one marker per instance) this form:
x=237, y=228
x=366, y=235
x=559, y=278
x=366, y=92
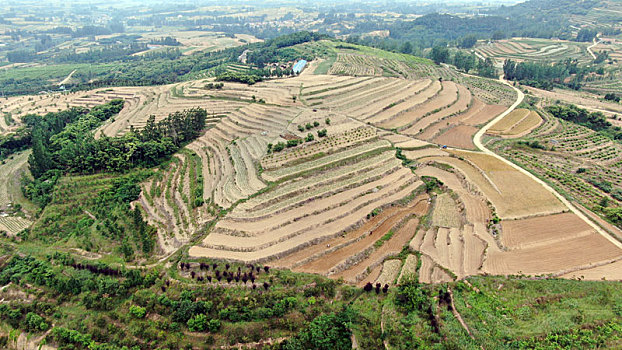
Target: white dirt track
x=477, y=140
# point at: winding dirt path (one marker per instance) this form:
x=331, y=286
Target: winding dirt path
x=589, y=48
x=477, y=140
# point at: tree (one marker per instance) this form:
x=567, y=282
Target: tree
x=35, y=322
x=406, y=47
x=440, y=54
x=214, y=325
x=586, y=34
x=464, y=61
x=468, y=41
x=498, y=35
x=324, y=332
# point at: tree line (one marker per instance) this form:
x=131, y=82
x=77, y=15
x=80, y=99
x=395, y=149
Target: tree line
x=74, y=149
x=546, y=75
x=592, y=120
x=465, y=62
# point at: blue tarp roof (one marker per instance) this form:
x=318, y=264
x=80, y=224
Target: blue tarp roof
x=299, y=66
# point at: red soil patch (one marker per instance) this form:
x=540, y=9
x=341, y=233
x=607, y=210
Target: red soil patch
x=391, y=247
x=326, y=262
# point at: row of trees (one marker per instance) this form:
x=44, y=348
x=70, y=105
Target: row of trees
x=545, y=75
x=593, y=120
x=463, y=61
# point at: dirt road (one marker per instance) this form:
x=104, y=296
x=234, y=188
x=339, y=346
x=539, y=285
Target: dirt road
x=477, y=140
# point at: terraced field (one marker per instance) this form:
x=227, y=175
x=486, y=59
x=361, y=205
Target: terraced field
x=344, y=205
x=441, y=112
x=11, y=172
x=530, y=49
x=546, y=244
x=14, y=108
x=518, y=123
x=566, y=148
x=318, y=202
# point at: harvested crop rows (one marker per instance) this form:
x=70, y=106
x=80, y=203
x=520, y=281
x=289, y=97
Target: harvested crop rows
x=513, y=194
x=575, y=147
x=445, y=212
x=533, y=50
x=10, y=175
x=13, y=224
x=516, y=124
x=547, y=250
x=296, y=219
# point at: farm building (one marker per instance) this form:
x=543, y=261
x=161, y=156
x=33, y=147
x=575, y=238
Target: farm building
x=299, y=66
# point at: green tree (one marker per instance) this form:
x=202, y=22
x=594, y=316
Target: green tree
x=468, y=41
x=406, y=47
x=440, y=54
x=325, y=332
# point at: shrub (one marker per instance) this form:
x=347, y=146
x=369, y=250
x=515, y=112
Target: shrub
x=198, y=323
x=278, y=147
x=293, y=143
x=35, y=322
x=137, y=311
x=214, y=325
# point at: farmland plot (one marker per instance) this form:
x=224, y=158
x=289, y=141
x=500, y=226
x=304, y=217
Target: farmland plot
x=512, y=193
x=538, y=50
x=11, y=173
x=160, y=101
x=390, y=271
x=292, y=225
x=13, y=224
x=445, y=212
x=16, y=107
x=409, y=268
x=516, y=124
